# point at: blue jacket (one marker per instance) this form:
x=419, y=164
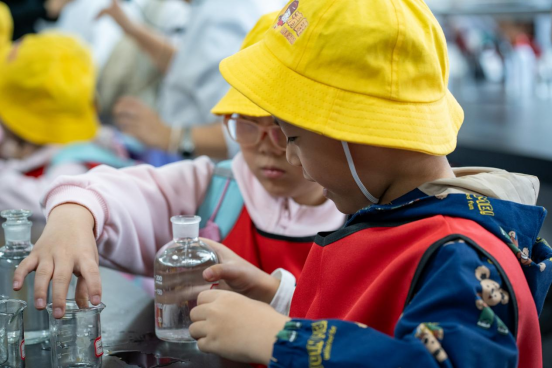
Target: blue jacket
x=444, y=299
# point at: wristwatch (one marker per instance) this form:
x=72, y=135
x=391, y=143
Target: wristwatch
x=186, y=148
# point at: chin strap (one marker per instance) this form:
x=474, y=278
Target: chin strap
x=361, y=186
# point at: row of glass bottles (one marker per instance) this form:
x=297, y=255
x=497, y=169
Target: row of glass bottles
x=17, y=231
x=178, y=269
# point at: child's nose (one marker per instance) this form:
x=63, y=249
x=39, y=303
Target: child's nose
x=292, y=158
x=266, y=145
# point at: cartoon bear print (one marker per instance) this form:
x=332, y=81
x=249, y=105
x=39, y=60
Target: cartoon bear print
x=491, y=294
x=542, y=265
x=430, y=334
x=523, y=255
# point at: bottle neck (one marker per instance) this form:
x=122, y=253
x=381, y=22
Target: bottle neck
x=18, y=246
x=18, y=237
x=186, y=240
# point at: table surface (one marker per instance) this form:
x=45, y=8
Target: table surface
x=127, y=326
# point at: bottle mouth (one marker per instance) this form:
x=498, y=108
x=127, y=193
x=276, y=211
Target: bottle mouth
x=11, y=307
x=185, y=220
x=16, y=215
x=185, y=227
x=17, y=226
x=72, y=308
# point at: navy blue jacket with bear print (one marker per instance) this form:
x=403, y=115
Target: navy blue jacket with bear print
x=461, y=300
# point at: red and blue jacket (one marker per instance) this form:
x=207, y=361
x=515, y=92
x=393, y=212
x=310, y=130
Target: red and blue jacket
x=426, y=281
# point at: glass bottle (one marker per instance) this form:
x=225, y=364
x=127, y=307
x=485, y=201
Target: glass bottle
x=178, y=273
x=17, y=230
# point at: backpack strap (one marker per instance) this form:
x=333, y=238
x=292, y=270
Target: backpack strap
x=89, y=154
x=223, y=202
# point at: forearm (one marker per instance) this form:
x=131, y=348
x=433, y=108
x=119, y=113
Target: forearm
x=132, y=207
x=159, y=49
x=335, y=343
x=209, y=141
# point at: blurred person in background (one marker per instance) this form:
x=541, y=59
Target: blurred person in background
x=47, y=118
x=192, y=85
x=123, y=67
x=26, y=14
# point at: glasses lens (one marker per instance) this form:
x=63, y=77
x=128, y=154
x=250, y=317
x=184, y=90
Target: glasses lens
x=278, y=137
x=243, y=132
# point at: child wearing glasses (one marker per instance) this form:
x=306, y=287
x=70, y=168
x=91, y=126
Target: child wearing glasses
x=121, y=217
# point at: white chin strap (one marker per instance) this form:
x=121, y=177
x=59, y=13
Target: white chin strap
x=361, y=186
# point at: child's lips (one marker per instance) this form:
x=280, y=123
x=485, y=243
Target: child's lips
x=272, y=172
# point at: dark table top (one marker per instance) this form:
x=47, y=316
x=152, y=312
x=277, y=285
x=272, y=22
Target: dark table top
x=127, y=326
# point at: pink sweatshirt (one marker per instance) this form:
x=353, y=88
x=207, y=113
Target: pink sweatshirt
x=132, y=207
x=20, y=191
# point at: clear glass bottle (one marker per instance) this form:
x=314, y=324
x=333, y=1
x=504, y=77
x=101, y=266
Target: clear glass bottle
x=17, y=230
x=178, y=273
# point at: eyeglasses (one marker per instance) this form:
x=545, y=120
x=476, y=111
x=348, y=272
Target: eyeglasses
x=248, y=133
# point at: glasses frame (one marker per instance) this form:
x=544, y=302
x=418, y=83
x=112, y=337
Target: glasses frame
x=262, y=131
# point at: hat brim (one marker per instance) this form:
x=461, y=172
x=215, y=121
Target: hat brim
x=236, y=103
x=258, y=74
x=67, y=129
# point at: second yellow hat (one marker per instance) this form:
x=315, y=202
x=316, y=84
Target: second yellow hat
x=234, y=102
x=47, y=85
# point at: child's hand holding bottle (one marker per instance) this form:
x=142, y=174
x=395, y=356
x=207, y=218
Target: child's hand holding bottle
x=66, y=246
x=236, y=274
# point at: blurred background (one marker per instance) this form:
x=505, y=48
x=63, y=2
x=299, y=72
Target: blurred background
x=500, y=71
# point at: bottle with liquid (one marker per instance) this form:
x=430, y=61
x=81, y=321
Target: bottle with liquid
x=178, y=273
x=17, y=230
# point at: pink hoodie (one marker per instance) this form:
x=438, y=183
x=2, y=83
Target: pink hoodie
x=20, y=191
x=132, y=207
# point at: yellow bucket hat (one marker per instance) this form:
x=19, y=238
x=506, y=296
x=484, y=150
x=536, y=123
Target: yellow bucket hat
x=370, y=72
x=234, y=102
x=47, y=85
x=6, y=27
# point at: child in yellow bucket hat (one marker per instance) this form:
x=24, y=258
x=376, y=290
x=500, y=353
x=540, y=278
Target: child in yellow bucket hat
x=263, y=209
x=436, y=267
x=47, y=117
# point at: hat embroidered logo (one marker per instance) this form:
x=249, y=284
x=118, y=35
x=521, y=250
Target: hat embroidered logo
x=294, y=19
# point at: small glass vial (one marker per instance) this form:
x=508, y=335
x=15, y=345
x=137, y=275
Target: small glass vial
x=178, y=273
x=17, y=230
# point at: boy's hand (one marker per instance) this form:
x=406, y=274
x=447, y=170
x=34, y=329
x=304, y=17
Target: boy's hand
x=66, y=246
x=236, y=274
x=235, y=327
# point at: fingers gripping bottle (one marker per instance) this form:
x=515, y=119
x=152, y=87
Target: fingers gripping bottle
x=178, y=273
x=17, y=230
